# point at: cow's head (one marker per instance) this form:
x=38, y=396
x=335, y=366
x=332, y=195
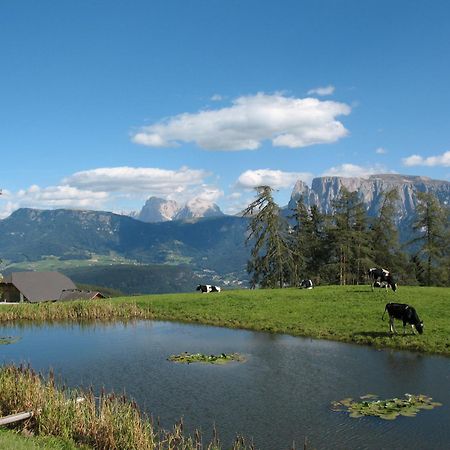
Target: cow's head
x=419, y=327
x=198, y=288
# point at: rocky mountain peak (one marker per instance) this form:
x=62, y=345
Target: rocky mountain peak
x=325, y=189
x=161, y=210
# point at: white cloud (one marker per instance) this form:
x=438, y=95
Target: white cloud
x=108, y=188
x=216, y=98
x=285, y=121
x=326, y=90
x=353, y=170
x=380, y=151
x=439, y=160
x=149, y=180
x=276, y=179
x=50, y=197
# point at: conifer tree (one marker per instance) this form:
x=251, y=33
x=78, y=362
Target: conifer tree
x=271, y=260
x=349, y=238
x=431, y=227
x=300, y=241
x=384, y=234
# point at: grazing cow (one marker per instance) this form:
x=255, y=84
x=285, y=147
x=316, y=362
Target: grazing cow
x=380, y=284
x=383, y=277
x=306, y=284
x=205, y=288
x=406, y=313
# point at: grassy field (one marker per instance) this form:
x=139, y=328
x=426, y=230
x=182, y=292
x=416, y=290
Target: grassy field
x=341, y=313
x=11, y=440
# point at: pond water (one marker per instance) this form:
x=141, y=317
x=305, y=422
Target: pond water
x=281, y=394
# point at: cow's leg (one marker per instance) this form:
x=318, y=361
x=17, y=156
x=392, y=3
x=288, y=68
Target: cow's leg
x=414, y=329
x=391, y=325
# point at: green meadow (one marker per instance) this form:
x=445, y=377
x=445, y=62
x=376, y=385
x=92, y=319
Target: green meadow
x=342, y=313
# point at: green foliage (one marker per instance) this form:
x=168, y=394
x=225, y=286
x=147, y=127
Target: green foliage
x=308, y=242
x=12, y=440
x=433, y=232
x=385, y=409
x=271, y=258
x=188, y=358
x=384, y=234
x=349, y=238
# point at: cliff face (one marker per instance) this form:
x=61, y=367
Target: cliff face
x=161, y=210
x=158, y=210
x=325, y=189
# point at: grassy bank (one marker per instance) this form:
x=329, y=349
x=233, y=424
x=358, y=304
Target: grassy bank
x=12, y=440
x=341, y=313
x=76, y=418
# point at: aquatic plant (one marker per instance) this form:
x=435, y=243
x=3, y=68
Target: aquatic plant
x=188, y=358
x=8, y=340
x=385, y=409
x=107, y=422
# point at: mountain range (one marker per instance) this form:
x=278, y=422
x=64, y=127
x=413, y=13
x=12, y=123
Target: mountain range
x=161, y=210
x=213, y=248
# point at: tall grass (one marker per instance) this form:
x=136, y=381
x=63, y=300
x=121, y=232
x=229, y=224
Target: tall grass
x=78, y=310
x=108, y=422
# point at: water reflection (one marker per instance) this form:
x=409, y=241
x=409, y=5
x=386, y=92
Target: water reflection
x=282, y=393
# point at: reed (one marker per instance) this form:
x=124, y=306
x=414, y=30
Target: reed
x=108, y=422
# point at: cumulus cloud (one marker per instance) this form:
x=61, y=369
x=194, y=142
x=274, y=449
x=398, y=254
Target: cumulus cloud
x=353, y=170
x=154, y=181
x=106, y=188
x=50, y=197
x=380, y=151
x=439, y=160
x=276, y=179
x=216, y=98
x=250, y=120
x=326, y=90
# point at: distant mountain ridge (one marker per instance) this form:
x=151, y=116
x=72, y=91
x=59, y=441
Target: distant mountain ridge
x=210, y=247
x=324, y=190
x=160, y=210
x=215, y=244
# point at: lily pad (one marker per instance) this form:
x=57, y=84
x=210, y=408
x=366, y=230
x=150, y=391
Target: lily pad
x=223, y=358
x=8, y=340
x=388, y=409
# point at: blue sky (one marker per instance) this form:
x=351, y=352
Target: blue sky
x=105, y=103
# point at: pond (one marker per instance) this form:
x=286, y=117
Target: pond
x=280, y=394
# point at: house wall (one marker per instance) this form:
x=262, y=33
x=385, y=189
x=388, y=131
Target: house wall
x=10, y=294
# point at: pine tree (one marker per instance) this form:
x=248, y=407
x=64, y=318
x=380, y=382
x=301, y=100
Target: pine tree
x=349, y=238
x=271, y=260
x=384, y=234
x=431, y=227
x=300, y=241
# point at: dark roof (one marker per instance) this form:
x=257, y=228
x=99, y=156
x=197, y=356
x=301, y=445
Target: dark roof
x=40, y=286
x=77, y=294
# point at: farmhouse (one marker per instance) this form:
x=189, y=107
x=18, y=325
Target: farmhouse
x=37, y=287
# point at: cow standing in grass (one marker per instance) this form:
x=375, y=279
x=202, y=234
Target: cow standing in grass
x=205, y=288
x=405, y=313
x=383, y=277
x=306, y=284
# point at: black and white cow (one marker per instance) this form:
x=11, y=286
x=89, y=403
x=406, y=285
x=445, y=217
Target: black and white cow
x=306, y=284
x=383, y=277
x=405, y=313
x=205, y=288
